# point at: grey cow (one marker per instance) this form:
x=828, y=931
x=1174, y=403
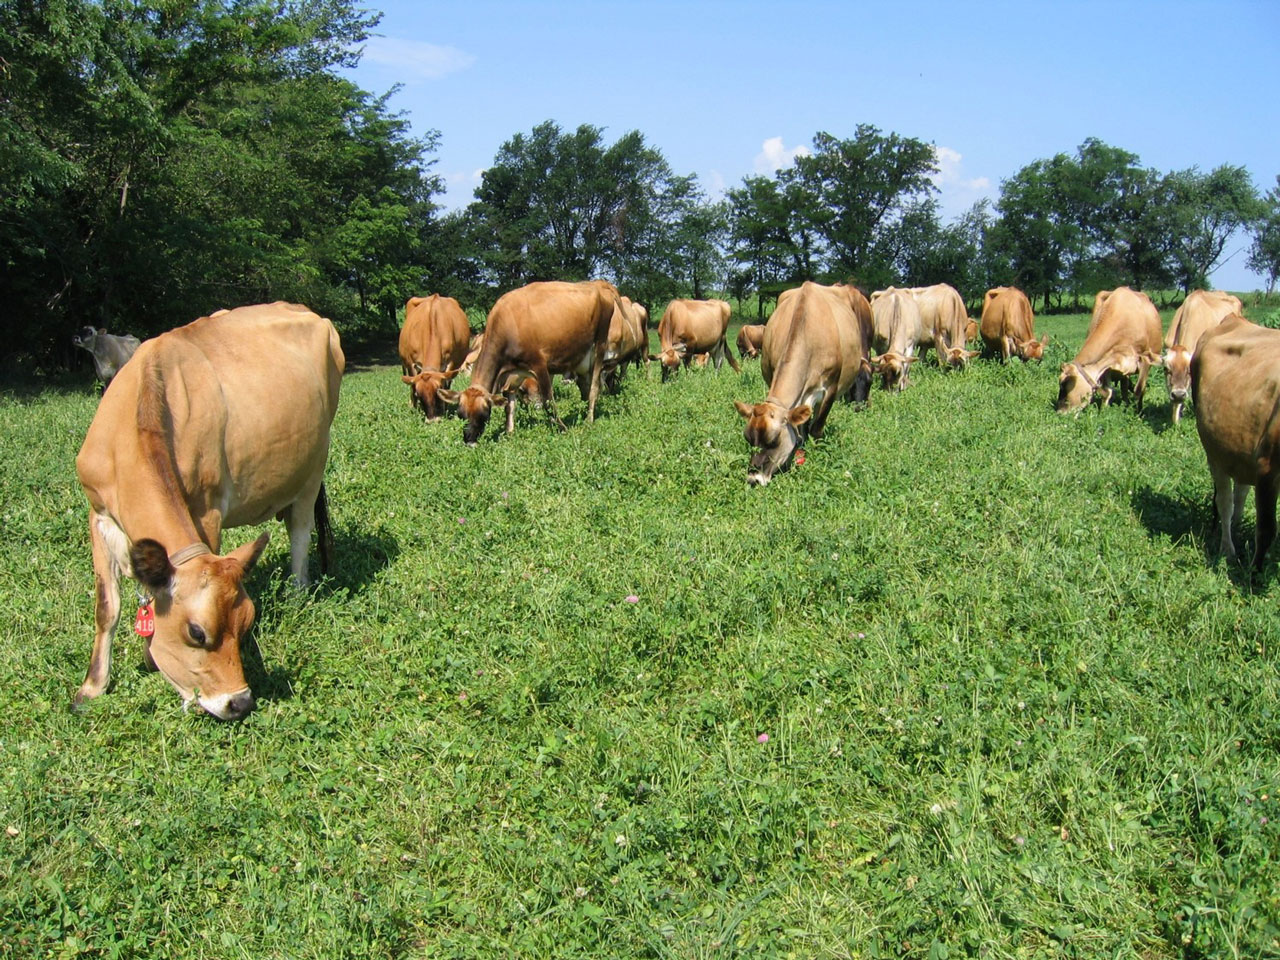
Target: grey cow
x=110, y=352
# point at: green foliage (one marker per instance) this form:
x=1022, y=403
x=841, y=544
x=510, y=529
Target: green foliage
x=971, y=681
x=169, y=161
x=1264, y=255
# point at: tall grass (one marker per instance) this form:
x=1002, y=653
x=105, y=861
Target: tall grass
x=965, y=683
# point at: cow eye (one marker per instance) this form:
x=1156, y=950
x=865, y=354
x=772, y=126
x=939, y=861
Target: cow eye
x=197, y=634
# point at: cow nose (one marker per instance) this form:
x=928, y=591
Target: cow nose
x=1178, y=394
x=240, y=706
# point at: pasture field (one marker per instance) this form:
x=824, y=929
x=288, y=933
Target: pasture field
x=967, y=683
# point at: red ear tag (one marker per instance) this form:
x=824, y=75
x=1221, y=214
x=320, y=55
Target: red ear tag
x=799, y=458
x=144, y=625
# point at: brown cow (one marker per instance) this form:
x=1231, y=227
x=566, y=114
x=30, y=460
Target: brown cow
x=1201, y=310
x=897, y=329
x=815, y=348
x=221, y=423
x=433, y=345
x=1123, y=339
x=628, y=341
x=537, y=331
x=750, y=339
x=1235, y=383
x=690, y=327
x=944, y=323
x=1008, y=325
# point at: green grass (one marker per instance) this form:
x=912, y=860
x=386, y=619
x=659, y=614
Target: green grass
x=966, y=683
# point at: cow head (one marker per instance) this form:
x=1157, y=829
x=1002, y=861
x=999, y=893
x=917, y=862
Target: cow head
x=893, y=368
x=775, y=430
x=426, y=390
x=86, y=338
x=670, y=359
x=474, y=404
x=201, y=615
x=958, y=357
x=971, y=330
x=1075, y=388
x=1177, y=371
x=1033, y=349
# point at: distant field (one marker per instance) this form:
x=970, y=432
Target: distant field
x=966, y=683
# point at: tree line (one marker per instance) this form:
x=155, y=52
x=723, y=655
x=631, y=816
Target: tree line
x=165, y=160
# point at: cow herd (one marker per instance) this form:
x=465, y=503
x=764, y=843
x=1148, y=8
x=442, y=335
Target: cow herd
x=193, y=436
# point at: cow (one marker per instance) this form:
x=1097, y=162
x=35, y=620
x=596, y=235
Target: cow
x=473, y=352
x=1123, y=339
x=1202, y=310
x=689, y=327
x=110, y=352
x=433, y=345
x=1235, y=385
x=628, y=341
x=537, y=331
x=750, y=337
x=815, y=348
x=944, y=323
x=896, y=331
x=221, y=423
x=1008, y=325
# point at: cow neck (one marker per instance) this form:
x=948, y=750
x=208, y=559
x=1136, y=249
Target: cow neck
x=154, y=502
x=485, y=372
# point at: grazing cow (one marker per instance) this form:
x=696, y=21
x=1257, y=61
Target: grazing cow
x=750, y=338
x=433, y=344
x=897, y=329
x=689, y=327
x=537, y=331
x=628, y=341
x=221, y=423
x=944, y=323
x=1123, y=339
x=1202, y=310
x=1008, y=325
x=109, y=352
x=815, y=348
x=1235, y=383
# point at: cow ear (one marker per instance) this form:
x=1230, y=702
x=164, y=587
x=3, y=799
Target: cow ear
x=1044, y=340
x=450, y=374
x=498, y=399
x=150, y=562
x=1153, y=358
x=744, y=409
x=972, y=353
x=404, y=379
x=1066, y=369
x=248, y=555
x=450, y=397
x=800, y=415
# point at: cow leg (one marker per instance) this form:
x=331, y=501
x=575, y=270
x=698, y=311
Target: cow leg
x=593, y=391
x=512, y=396
x=1264, y=502
x=1227, y=503
x=549, y=401
x=1144, y=371
x=106, y=614
x=300, y=520
x=728, y=355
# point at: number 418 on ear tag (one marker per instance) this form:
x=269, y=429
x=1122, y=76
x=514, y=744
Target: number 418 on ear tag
x=145, y=623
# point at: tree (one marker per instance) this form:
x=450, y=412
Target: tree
x=856, y=192
x=564, y=206
x=1264, y=255
x=760, y=244
x=1208, y=210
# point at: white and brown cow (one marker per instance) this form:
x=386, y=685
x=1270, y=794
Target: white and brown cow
x=1235, y=385
x=815, y=348
x=537, y=331
x=897, y=330
x=1202, y=310
x=1123, y=339
x=433, y=346
x=944, y=324
x=690, y=327
x=221, y=423
x=1008, y=325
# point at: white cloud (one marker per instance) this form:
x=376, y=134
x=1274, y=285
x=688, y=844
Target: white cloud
x=773, y=156
x=956, y=192
x=415, y=60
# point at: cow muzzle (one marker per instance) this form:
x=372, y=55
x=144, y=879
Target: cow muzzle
x=757, y=478
x=228, y=706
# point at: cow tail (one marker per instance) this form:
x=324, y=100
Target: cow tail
x=324, y=532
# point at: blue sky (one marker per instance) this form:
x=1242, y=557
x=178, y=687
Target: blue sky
x=726, y=90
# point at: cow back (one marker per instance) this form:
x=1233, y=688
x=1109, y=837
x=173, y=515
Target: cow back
x=1201, y=310
x=1235, y=385
x=1124, y=321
